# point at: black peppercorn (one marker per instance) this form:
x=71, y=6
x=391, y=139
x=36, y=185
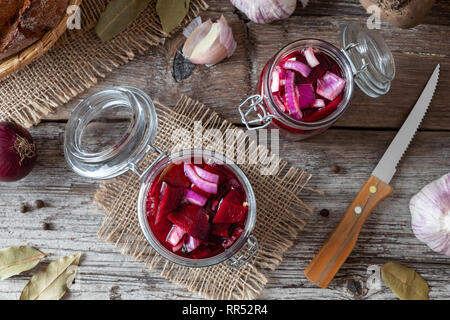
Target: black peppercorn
x=324, y=213
x=39, y=204
x=46, y=226
x=336, y=169
x=23, y=208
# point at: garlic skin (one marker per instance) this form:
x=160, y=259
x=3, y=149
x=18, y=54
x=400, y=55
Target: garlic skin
x=266, y=11
x=430, y=212
x=210, y=43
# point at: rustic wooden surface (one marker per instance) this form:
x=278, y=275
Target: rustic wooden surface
x=355, y=143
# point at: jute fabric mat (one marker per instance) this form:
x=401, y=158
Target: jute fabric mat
x=280, y=210
x=77, y=61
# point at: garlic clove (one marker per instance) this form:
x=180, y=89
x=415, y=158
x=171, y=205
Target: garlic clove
x=210, y=43
x=196, y=36
x=266, y=11
x=430, y=213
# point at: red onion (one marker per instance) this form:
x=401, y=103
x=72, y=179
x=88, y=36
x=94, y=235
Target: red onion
x=206, y=175
x=330, y=86
x=291, y=97
x=297, y=66
x=199, y=182
x=306, y=95
x=17, y=152
x=311, y=58
x=194, y=198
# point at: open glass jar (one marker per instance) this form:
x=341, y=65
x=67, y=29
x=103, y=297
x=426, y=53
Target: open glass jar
x=364, y=59
x=112, y=131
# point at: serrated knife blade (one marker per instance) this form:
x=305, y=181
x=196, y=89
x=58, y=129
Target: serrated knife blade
x=387, y=166
x=340, y=243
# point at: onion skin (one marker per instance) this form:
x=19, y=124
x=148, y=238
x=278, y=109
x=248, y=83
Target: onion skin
x=430, y=215
x=13, y=166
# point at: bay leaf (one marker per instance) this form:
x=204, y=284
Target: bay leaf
x=406, y=283
x=172, y=13
x=15, y=260
x=118, y=15
x=52, y=282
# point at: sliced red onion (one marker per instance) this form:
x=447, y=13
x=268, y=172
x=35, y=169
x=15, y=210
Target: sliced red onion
x=175, y=235
x=279, y=102
x=282, y=73
x=297, y=66
x=311, y=57
x=306, y=95
x=206, y=186
x=206, y=175
x=319, y=103
x=190, y=244
x=292, y=97
x=330, y=86
x=194, y=198
x=275, y=86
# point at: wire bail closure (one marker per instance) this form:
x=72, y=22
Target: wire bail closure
x=252, y=249
x=256, y=107
x=349, y=47
x=134, y=165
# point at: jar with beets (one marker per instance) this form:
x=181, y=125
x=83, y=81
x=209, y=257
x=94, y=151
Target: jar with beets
x=195, y=207
x=309, y=84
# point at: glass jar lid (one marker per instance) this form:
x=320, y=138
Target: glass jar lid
x=371, y=59
x=110, y=132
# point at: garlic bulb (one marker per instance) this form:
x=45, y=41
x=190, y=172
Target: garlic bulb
x=266, y=11
x=430, y=211
x=210, y=43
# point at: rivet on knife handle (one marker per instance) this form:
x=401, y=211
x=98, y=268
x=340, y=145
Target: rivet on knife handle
x=342, y=240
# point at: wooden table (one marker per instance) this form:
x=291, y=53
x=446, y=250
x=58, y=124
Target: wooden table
x=355, y=143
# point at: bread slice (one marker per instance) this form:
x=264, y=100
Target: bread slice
x=30, y=21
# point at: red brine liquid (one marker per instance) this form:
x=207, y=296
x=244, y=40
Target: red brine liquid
x=197, y=210
x=308, y=85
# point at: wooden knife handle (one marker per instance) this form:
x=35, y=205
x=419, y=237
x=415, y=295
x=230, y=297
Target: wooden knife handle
x=342, y=240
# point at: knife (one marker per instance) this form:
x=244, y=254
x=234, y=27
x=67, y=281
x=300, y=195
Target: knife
x=342, y=240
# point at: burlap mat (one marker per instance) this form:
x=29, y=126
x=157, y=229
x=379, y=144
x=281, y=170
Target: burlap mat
x=279, y=209
x=75, y=63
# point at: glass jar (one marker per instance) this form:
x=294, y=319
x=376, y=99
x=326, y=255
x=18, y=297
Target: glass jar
x=110, y=133
x=364, y=59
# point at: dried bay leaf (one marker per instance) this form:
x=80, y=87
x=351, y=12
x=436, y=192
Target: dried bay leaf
x=15, y=260
x=406, y=283
x=52, y=282
x=118, y=15
x=172, y=13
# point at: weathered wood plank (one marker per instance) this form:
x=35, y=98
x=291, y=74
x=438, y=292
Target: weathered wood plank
x=225, y=85
x=386, y=236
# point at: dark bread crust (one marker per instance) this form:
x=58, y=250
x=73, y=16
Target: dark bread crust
x=29, y=22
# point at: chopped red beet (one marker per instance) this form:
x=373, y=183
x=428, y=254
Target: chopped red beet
x=171, y=198
x=230, y=212
x=237, y=232
x=324, y=112
x=182, y=218
x=174, y=175
x=202, y=253
x=192, y=220
x=304, y=82
x=221, y=229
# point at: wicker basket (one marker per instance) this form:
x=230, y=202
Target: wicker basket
x=36, y=50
